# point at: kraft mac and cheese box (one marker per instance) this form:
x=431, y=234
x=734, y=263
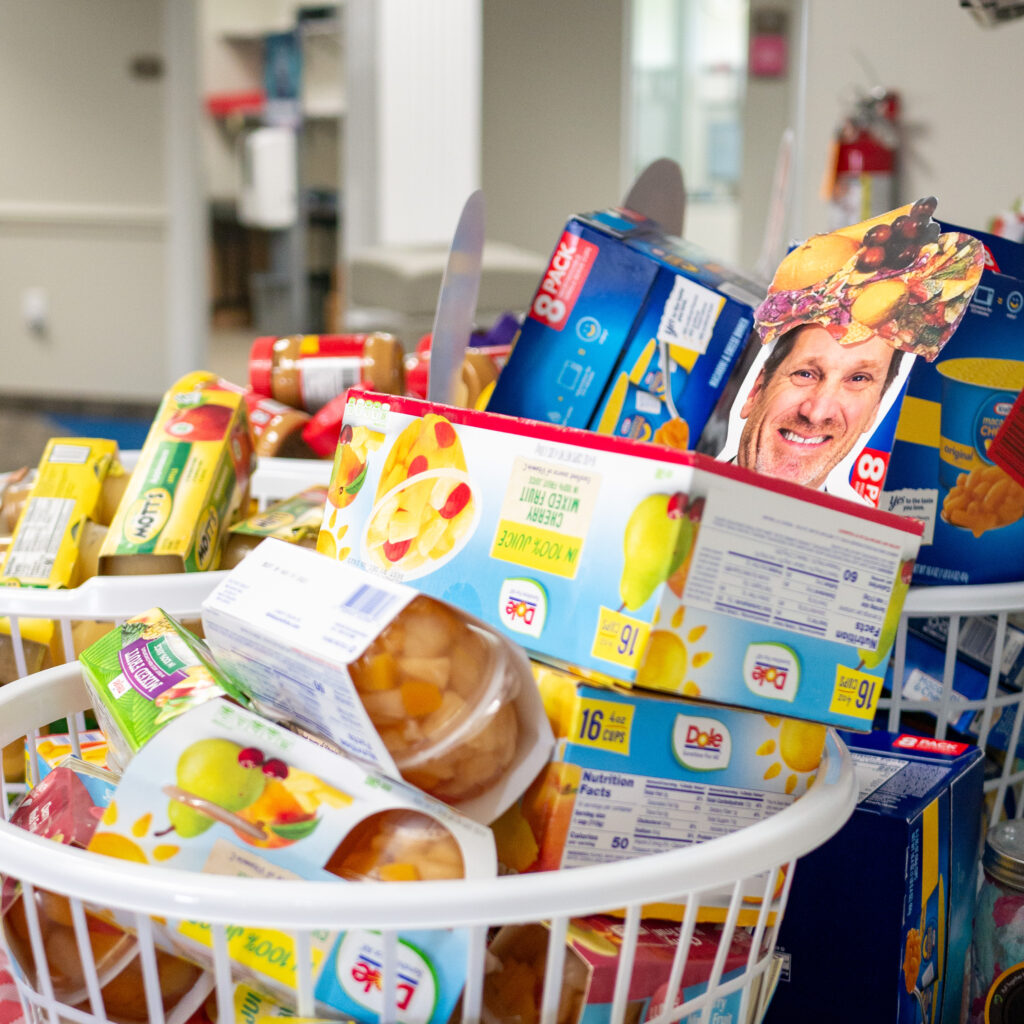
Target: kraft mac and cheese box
x=628, y=329
x=901, y=877
x=654, y=567
x=637, y=773
x=223, y=791
x=940, y=471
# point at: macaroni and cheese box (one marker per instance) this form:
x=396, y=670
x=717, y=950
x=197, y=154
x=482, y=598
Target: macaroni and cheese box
x=637, y=773
x=940, y=471
x=628, y=329
x=899, y=880
x=629, y=561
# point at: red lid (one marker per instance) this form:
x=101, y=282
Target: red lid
x=261, y=363
x=322, y=431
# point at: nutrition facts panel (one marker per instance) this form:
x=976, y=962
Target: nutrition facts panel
x=827, y=576
x=617, y=815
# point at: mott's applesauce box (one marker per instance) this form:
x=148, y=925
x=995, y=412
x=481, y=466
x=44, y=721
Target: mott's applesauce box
x=659, y=568
x=940, y=471
x=66, y=494
x=189, y=484
x=638, y=773
x=223, y=791
x=901, y=875
x=629, y=329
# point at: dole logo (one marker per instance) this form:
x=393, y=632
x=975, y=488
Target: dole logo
x=701, y=744
x=523, y=606
x=771, y=670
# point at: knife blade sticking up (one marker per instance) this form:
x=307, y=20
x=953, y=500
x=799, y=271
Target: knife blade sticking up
x=456, y=302
x=658, y=193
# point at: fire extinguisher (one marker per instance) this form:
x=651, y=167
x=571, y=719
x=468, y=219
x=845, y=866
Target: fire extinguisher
x=863, y=179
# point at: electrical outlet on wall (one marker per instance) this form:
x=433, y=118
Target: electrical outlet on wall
x=35, y=309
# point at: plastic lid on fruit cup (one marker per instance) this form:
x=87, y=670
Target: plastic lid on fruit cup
x=322, y=431
x=261, y=365
x=1004, y=853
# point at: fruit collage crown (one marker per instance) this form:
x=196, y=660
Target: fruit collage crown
x=896, y=276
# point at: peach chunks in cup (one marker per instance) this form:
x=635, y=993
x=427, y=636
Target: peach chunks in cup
x=431, y=684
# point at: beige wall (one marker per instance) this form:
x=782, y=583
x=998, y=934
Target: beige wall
x=552, y=114
x=81, y=199
x=961, y=85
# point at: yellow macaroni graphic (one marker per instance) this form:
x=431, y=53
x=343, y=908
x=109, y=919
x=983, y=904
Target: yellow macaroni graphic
x=912, y=959
x=999, y=374
x=420, y=682
x=424, y=504
x=984, y=499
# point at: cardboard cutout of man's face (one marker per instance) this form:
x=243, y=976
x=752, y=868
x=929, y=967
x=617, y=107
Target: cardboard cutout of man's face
x=806, y=416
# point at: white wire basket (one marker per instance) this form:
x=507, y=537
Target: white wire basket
x=115, y=598
x=954, y=611
x=764, y=853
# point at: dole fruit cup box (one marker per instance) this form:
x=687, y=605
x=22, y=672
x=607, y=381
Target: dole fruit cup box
x=628, y=561
x=594, y=946
x=940, y=470
x=191, y=482
x=414, y=687
x=224, y=791
x=901, y=875
x=637, y=773
x=629, y=330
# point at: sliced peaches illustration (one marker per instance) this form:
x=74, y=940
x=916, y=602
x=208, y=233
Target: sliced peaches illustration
x=277, y=817
x=350, y=462
x=215, y=812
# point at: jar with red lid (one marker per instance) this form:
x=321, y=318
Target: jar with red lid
x=276, y=428
x=306, y=371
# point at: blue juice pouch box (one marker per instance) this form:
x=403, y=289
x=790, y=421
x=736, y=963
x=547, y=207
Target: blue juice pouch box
x=629, y=329
x=633, y=562
x=223, y=791
x=940, y=470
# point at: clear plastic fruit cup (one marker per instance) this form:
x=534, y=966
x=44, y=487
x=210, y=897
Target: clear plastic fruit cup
x=398, y=846
x=441, y=692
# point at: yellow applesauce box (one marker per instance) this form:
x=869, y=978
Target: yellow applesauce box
x=640, y=773
x=630, y=561
x=415, y=688
x=223, y=791
x=189, y=485
x=66, y=493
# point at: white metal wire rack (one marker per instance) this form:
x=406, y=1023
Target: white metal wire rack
x=952, y=611
x=765, y=852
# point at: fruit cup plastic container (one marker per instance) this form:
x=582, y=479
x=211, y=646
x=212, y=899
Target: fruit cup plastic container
x=405, y=682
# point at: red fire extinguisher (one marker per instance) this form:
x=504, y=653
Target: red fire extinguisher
x=863, y=179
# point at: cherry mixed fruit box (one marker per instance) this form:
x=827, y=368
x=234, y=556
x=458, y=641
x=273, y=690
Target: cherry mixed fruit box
x=627, y=561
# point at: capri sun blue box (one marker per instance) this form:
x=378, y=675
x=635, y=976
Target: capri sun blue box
x=627, y=561
x=952, y=410
x=629, y=328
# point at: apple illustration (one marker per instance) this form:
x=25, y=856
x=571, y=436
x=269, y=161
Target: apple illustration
x=206, y=422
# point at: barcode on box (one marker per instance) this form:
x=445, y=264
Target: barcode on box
x=369, y=602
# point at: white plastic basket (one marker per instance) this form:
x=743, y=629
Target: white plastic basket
x=721, y=867
x=954, y=605
x=115, y=598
